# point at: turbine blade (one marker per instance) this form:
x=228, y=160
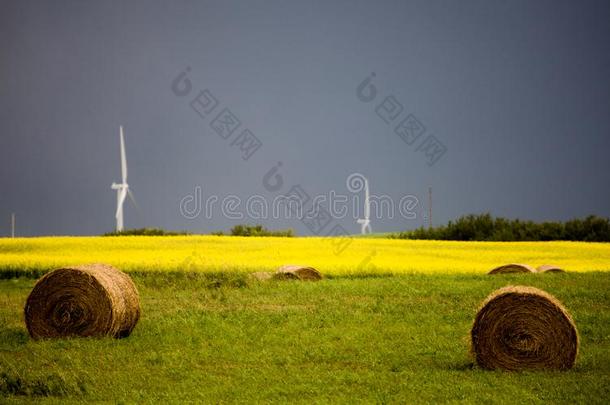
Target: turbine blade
x=120, y=201
x=133, y=200
x=123, y=158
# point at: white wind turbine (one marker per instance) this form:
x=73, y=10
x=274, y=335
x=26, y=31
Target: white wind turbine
x=365, y=224
x=122, y=189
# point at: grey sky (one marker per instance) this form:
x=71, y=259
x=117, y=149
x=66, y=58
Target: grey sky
x=518, y=92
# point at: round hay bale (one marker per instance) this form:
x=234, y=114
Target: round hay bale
x=513, y=268
x=519, y=328
x=295, y=272
x=550, y=268
x=88, y=300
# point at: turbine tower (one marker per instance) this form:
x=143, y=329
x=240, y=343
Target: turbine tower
x=122, y=189
x=365, y=224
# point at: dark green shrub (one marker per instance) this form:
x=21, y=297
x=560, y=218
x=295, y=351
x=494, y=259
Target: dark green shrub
x=256, y=230
x=145, y=232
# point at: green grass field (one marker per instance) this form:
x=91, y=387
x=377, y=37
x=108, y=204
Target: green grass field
x=217, y=338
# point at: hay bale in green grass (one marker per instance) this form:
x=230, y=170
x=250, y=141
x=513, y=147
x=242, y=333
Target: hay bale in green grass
x=88, y=300
x=521, y=328
x=513, y=268
x=297, y=272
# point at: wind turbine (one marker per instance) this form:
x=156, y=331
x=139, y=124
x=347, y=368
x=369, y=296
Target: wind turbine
x=365, y=224
x=122, y=189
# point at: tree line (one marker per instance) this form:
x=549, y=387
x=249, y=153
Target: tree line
x=484, y=227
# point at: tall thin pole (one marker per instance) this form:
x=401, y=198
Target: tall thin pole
x=430, y=207
x=13, y=225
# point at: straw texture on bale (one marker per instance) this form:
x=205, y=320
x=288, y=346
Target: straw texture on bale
x=550, y=268
x=513, y=268
x=520, y=328
x=88, y=300
x=296, y=272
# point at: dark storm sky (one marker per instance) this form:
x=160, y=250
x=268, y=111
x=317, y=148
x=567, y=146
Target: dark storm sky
x=517, y=91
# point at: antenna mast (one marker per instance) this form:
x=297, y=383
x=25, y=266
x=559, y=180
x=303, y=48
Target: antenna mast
x=430, y=207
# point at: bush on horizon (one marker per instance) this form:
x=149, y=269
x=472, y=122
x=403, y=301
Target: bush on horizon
x=256, y=230
x=146, y=232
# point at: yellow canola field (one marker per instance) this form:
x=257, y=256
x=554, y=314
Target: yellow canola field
x=247, y=254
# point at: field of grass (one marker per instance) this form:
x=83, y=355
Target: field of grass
x=247, y=254
x=397, y=339
x=390, y=325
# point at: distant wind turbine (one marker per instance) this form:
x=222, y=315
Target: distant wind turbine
x=365, y=224
x=122, y=189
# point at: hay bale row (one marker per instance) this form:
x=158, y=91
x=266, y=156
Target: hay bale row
x=521, y=328
x=516, y=327
x=90, y=300
x=99, y=300
x=525, y=268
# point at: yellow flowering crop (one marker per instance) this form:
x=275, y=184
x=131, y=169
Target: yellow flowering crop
x=245, y=254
